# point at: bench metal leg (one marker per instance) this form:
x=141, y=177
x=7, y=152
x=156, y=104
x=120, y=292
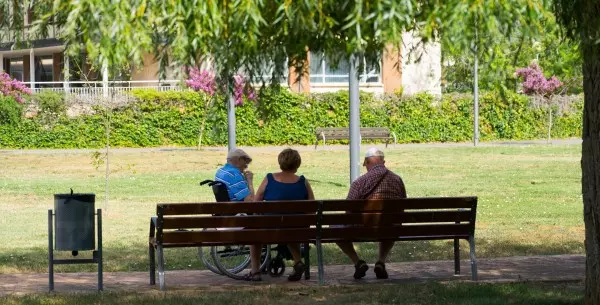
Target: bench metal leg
x=473, y=259
x=151, y=252
x=161, y=268
x=307, y=261
x=152, y=262
x=320, y=262
x=456, y=257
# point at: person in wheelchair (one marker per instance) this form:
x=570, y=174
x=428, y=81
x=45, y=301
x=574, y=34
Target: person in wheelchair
x=235, y=176
x=284, y=185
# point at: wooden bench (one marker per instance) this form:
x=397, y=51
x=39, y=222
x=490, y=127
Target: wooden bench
x=343, y=133
x=317, y=222
x=181, y=225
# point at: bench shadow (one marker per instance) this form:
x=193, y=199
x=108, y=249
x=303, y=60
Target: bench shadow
x=134, y=256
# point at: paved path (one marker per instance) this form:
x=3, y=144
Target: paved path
x=509, y=269
x=299, y=148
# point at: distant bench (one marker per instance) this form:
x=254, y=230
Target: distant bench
x=343, y=133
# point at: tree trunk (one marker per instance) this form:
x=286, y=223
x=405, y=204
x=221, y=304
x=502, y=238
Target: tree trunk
x=201, y=134
x=590, y=166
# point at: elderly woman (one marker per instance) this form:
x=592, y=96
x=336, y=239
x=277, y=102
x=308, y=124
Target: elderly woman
x=284, y=185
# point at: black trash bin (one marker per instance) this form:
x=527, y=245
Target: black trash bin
x=74, y=224
x=72, y=227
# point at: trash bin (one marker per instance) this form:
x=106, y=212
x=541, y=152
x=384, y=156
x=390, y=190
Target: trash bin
x=74, y=224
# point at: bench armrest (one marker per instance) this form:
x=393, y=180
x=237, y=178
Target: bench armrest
x=152, y=233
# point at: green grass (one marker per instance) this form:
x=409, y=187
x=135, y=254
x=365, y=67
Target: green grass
x=529, y=198
x=430, y=293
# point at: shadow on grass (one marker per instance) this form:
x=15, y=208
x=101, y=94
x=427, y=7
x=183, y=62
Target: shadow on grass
x=134, y=257
x=428, y=293
x=317, y=182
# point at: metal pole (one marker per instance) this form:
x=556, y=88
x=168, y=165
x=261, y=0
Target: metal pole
x=354, y=119
x=1, y=63
x=476, y=94
x=231, y=118
x=32, y=69
x=66, y=74
x=107, y=174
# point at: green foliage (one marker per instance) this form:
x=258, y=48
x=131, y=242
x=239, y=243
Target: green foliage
x=281, y=117
x=500, y=59
x=10, y=111
x=50, y=103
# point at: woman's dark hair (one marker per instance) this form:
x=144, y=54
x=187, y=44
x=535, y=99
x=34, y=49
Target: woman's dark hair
x=289, y=160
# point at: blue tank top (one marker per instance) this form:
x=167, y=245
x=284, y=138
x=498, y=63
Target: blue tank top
x=276, y=190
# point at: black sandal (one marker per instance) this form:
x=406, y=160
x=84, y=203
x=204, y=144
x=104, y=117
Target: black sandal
x=252, y=277
x=299, y=269
x=360, y=269
x=380, y=271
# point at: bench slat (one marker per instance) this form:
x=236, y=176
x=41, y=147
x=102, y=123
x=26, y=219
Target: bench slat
x=384, y=219
x=399, y=205
x=290, y=221
x=393, y=232
x=247, y=236
x=298, y=206
x=252, y=221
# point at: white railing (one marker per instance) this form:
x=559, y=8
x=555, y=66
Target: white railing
x=93, y=88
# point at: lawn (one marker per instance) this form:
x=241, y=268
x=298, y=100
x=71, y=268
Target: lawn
x=430, y=293
x=529, y=198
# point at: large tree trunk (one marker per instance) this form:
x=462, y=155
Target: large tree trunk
x=590, y=166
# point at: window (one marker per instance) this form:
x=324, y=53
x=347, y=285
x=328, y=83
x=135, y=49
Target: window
x=44, y=68
x=16, y=68
x=265, y=74
x=322, y=73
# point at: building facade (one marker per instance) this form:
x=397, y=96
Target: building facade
x=45, y=65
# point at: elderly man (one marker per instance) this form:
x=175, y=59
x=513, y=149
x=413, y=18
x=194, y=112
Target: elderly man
x=377, y=183
x=235, y=177
x=240, y=188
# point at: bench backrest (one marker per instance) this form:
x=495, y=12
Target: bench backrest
x=333, y=133
x=375, y=132
x=301, y=221
x=401, y=219
x=193, y=223
x=340, y=133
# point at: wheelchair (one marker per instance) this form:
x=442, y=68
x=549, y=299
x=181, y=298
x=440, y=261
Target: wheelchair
x=231, y=260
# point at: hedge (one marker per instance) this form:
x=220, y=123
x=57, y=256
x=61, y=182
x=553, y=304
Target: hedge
x=280, y=117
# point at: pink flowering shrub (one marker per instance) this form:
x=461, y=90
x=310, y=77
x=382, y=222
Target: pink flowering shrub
x=534, y=81
x=203, y=80
x=12, y=87
x=240, y=89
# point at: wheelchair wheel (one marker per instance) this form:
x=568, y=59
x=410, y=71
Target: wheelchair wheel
x=276, y=267
x=233, y=261
x=206, y=259
x=230, y=259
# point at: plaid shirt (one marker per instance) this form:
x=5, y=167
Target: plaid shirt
x=366, y=187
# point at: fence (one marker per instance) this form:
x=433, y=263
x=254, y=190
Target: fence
x=98, y=88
